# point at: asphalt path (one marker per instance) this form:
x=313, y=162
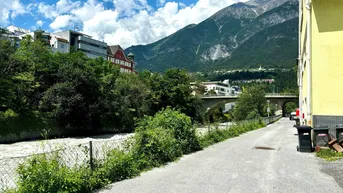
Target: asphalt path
x=236, y=165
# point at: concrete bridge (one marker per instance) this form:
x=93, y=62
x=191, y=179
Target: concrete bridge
x=210, y=102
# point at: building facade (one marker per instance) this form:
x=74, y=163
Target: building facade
x=59, y=44
x=79, y=41
x=217, y=88
x=116, y=55
x=320, y=70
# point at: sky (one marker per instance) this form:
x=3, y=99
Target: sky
x=123, y=22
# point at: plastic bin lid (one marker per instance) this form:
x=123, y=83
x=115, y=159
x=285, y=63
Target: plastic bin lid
x=340, y=126
x=304, y=127
x=321, y=127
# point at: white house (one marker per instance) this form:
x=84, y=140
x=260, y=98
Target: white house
x=59, y=44
x=221, y=88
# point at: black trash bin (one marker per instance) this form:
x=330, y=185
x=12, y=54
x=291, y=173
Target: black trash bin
x=339, y=132
x=304, y=135
x=320, y=136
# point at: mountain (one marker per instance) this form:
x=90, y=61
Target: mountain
x=221, y=40
x=274, y=47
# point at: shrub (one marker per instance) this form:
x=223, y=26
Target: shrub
x=178, y=123
x=43, y=174
x=155, y=146
x=119, y=165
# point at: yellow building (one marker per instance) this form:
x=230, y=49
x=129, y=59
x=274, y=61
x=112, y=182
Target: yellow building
x=320, y=65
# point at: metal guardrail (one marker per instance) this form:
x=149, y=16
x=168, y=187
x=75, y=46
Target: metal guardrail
x=271, y=119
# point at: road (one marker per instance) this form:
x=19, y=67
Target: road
x=237, y=166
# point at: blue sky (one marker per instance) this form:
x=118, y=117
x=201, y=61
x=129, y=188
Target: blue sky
x=124, y=22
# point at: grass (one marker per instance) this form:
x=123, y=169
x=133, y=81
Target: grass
x=329, y=155
x=216, y=135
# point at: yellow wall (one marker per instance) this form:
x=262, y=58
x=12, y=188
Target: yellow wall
x=327, y=57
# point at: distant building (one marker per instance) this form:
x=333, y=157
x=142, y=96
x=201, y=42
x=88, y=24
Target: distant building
x=93, y=48
x=17, y=31
x=44, y=37
x=64, y=41
x=116, y=55
x=219, y=88
x=12, y=34
x=59, y=44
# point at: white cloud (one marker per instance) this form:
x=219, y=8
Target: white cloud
x=10, y=9
x=130, y=7
x=61, y=7
x=131, y=22
x=39, y=23
x=61, y=21
x=161, y=2
x=88, y=10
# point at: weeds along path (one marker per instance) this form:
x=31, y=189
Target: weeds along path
x=11, y=155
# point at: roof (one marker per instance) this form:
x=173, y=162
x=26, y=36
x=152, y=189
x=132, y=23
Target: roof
x=111, y=50
x=17, y=29
x=130, y=54
x=62, y=40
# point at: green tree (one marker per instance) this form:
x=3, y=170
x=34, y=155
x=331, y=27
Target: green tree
x=130, y=102
x=251, y=102
x=290, y=107
x=172, y=89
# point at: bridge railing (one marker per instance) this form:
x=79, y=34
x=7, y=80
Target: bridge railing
x=280, y=94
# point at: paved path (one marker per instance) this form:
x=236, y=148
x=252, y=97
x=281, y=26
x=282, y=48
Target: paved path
x=236, y=166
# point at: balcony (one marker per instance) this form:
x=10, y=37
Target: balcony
x=92, y=49
x=92, y=42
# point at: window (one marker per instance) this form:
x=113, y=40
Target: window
x=62, y=46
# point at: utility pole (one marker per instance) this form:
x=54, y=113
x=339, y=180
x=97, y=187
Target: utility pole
x=268, y=109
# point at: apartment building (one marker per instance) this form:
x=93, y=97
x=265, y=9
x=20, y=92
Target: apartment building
x=79, y=41
x=320, y=70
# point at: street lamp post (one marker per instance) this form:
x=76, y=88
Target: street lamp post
x=268, y=109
